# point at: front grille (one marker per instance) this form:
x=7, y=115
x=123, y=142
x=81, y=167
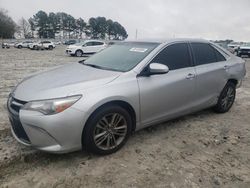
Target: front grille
x=245, y=50
x=18, y=129
x=14, y=106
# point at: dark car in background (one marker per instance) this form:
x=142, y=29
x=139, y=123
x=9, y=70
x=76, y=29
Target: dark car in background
x=243, y=50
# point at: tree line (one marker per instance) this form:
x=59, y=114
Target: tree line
x=63, y=25
x=7, y=26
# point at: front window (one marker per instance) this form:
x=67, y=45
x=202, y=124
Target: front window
x=121, y=57
x=175, y=56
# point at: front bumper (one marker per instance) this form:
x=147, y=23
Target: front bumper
x=58, y=133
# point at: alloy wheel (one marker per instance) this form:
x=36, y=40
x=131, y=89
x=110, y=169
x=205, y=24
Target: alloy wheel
x=78, y=53
x=228, y=98
x=110, y=131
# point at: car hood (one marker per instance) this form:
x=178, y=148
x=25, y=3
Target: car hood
x=62, y=81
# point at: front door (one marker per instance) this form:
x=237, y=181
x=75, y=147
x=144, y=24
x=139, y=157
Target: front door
x=169, y=95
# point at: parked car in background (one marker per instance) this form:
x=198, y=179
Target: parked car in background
x=11, y=43
x=69, y=42
x=48, y=45
x=232, y=47
x=24, y=44
x=96, y=104
x=5, y=45
x=243, y=50
x=57, y=42
x=86, y=47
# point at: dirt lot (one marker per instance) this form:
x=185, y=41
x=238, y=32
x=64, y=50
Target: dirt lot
x=200, y=150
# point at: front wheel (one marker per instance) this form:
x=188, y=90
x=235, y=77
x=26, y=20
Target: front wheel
x=79, y=53
x=226, y=98
x=107, y=130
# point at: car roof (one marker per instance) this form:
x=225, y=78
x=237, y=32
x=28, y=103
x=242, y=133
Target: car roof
x=162, y=41
x=92, y=40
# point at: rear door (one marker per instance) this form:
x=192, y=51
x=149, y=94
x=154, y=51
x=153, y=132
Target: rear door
x=168, y=95
x=211, y=72
x=93, y=47
x=88, y=47
x=98, y=46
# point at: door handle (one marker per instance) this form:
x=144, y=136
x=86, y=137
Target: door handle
x=190, y=76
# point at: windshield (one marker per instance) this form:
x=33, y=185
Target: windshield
x=121, y=57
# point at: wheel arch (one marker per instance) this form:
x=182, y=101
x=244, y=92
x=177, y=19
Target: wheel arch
x=233, y=80
x=79, y=50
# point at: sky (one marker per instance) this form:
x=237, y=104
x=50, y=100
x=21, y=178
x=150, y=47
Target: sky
x=209, y=19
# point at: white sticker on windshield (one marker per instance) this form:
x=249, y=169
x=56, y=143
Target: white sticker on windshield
x=142, y=50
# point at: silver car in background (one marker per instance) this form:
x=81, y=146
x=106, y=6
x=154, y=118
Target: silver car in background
x=97, y=103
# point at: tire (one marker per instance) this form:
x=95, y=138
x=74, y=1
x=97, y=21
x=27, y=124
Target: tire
x=101, y=136
x=35, y=47
x=19, y=46
x=78, y=53
x=226, y=98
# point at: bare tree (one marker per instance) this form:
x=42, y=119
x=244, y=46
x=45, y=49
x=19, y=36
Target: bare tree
x=24, y=28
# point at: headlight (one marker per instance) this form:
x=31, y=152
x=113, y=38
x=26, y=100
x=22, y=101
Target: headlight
x=52, y=106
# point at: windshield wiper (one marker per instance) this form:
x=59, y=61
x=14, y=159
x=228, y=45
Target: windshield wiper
x=82, y=61
x=97, y=66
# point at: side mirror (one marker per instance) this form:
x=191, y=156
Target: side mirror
x=155, y=68
x=158, y=68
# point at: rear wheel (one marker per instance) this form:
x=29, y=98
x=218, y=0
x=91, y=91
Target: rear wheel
x=78, y=53
x=107, y=130
x=226, y=98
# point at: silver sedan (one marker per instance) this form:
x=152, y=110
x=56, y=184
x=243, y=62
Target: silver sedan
x=97, y=103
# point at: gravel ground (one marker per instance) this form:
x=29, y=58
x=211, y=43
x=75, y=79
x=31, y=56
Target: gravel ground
x=199, y=150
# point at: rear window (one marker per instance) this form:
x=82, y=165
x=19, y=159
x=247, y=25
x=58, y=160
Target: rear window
x=97, y=43
x=203, y=53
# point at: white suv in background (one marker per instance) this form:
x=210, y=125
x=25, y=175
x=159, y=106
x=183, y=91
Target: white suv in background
x=24, y=44
x=86, y=47
x=48, y=45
